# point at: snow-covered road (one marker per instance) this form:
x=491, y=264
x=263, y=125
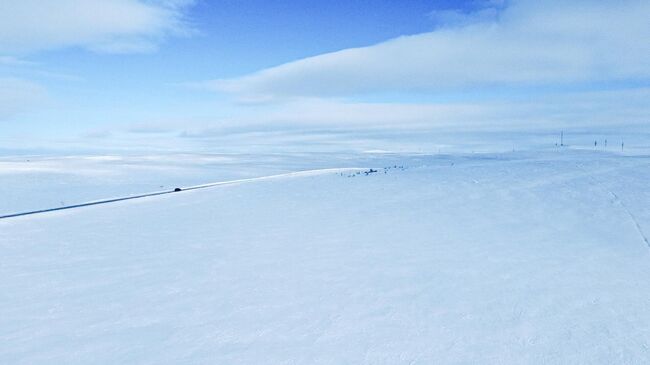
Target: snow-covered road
x=515, y=258
x=179, y=189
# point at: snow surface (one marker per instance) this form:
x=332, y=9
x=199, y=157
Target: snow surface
x=33, y=182
x=529, y=257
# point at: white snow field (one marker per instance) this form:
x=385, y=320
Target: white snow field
x=517, y=258
x=32, y=182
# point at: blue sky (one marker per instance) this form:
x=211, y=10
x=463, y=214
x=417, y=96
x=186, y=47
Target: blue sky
x=74, y=69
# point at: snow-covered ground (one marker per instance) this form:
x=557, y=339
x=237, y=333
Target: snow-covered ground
x=529, y=257
x=31, y=182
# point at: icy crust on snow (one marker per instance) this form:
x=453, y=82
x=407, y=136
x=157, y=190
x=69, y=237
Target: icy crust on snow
x=485, y=259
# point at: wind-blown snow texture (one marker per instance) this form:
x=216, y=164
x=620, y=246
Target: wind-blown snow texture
x=512, y=258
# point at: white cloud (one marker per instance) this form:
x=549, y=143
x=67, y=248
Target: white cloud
x=18, y=95
x=100, y=25
x=593, y=110
x=531, y=43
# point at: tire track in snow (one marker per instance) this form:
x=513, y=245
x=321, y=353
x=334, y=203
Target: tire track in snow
x=175, y=191
x=632, y=216
x=620, y=203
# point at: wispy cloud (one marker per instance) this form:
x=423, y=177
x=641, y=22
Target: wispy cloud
x=478, y=12
x=14, y=61
x=103, y=26
x=18, y=95
x=597, y=109
x=529, y=43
